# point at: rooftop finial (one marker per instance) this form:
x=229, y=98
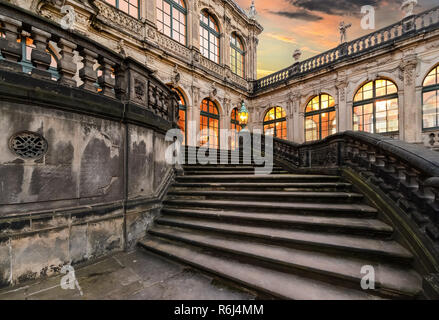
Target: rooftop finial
x=252, y=13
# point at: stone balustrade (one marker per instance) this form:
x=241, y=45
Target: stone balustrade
x=407, y=173
x=100, y=70
x=408, y=27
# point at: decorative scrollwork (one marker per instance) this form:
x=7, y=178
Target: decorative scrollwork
x=28, y=145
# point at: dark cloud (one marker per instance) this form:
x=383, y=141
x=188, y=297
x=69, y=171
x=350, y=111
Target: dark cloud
x=300, y=15
x=336, y=7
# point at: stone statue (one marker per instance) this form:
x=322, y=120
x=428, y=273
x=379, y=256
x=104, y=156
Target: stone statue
x=408, y=6
x=297, y=54
x=252, y=13
x=343, y=27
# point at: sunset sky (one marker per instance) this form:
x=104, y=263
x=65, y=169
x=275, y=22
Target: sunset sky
x=312, y=26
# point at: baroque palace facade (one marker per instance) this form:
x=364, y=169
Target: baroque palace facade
x=385, y=82
x=90, y=88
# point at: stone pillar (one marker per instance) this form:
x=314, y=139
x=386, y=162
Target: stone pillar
x=194, y=34
x=10, y=48
x=193, y=126
x=67, y=66
x=410, y=123
x=341, y=108
x=106, y=81
x=40, y=58
x=87, y=74
x=149, y=11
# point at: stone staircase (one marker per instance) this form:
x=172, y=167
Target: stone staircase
x=287, y=236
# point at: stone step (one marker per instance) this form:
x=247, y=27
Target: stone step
x=361, y=246
x=235, y=172
x=391, y=280
x=362, y=226
x=237, y=167
x=310, y=196
x=327, y=209
x=278, y=284
x=273, y=186
x=278, y=178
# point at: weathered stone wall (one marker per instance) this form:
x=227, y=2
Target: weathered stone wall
x=68, y=207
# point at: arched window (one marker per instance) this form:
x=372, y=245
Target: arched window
x=320, y=118
x=236, y=55
x=130, y=7
x=182, y=115
x=209, y=124
x=430, y=100
x=376, y=107
x=275, y=123
x=171, y=19
x=209, y=37
x=236, y=128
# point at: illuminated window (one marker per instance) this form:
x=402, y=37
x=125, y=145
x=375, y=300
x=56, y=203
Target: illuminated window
x=275, y=123
x=236, y=55
x=320, y=118
x=376, y=107
x=430, y=100
x=209, y=37
x=209, y=124
x=130, y=7
x=236, y=128
x=182, y=114
x=171, y=19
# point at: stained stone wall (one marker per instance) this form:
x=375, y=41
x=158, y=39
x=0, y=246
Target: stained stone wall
x=70, y=206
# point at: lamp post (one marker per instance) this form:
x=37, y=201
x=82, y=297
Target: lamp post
x=243, y=115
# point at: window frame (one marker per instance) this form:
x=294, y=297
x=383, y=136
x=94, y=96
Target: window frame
x=374, y=101
x=117, y=6
x=181, y=9
x=431, y=88
x=319, y=113
x=234, y=121
x=211, y=116
x=275, y=121
x=210, y=32
x=183, y=107
x=238, y=50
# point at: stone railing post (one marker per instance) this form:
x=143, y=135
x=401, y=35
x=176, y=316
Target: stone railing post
x=10, y=48
x=66, y=66
x=106, y=81
x=40, y=57
x=87, y=74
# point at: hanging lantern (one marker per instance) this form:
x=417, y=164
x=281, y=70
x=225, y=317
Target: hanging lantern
x=243, y=115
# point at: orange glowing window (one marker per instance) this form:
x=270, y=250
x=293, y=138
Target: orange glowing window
x=275, y=123
x=209, y=124
x=320, y=118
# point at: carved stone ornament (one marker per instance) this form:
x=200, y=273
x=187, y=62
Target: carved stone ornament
x=139, y=89
x=28, y=145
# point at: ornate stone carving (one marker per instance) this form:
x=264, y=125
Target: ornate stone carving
x=213, y=91
x=139, y=89
x=28, y=145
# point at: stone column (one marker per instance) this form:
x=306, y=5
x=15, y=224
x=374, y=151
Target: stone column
x=193, y=126
x=40, y=58
x=194, y=29
x=149, y=11
x=67, y=66
x=410, y=123
x=9, y=47
x=342, y=113
x=87, y=74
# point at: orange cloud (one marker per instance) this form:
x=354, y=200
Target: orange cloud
x=281, y=37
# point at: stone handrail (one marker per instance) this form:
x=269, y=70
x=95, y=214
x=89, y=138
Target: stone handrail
x=98, y=70
x=407, y=173
x=407, y=27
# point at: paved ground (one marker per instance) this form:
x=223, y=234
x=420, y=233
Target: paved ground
x=136, y=275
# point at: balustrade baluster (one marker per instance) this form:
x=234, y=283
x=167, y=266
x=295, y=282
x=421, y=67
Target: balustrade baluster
x=10, y=48
x=107, y=79
x=40, y=58
x=87, y=74
x=67, y=66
